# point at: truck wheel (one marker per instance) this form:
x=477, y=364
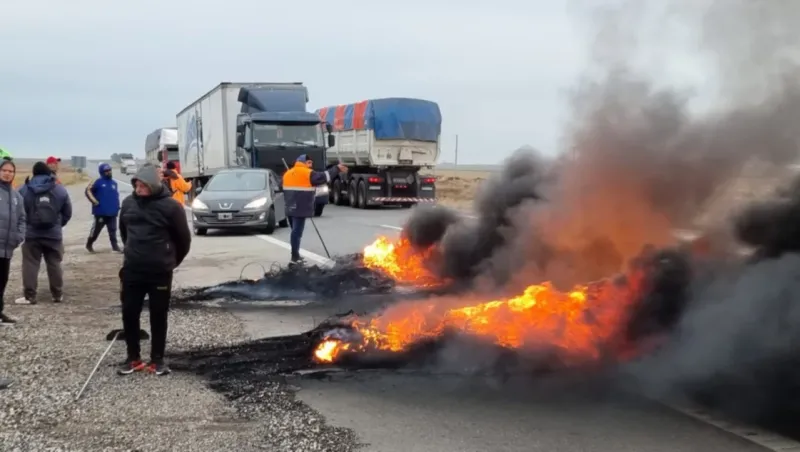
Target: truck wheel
x=352, y=194
x=362, y=195
x=200, y=231
x=336, y=193
x=269, y=228
x=318, y=210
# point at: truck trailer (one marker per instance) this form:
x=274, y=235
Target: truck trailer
x=385, y=143
x=250, y=125
x=161, y=146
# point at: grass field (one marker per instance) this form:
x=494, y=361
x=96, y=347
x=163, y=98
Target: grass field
x=67, y=175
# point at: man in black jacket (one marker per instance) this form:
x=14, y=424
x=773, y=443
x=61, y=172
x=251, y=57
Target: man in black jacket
x=156, y=239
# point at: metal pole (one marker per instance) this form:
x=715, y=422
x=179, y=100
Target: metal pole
x=312, y=221
x=96, y=366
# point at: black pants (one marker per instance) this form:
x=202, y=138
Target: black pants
x=5, y=267
x=98, y=224
x=134, y=288
x=298, y=225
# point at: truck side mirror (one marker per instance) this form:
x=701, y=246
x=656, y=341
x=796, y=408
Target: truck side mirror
x=239, y=140
x=331, y=141
x=328, y=127
x=160, y=157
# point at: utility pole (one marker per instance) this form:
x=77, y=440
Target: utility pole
x=456, y=163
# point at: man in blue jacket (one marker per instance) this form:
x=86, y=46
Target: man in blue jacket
x=104, y=196
x=48, y=209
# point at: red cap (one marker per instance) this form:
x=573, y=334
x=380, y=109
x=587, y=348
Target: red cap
x=52, y=159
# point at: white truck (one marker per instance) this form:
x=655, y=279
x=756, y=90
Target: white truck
x=250, y=125
x=161, y=146
x=385, y=143
x=127, y=164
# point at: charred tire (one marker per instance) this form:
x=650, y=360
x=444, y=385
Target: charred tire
x=351, y=194
x=362, y=195
x=200, y=231
x=318, y=210
x=336, y=194
x=269, y=228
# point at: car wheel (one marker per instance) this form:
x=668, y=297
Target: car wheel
x=271, y=223
x=318, y=210
x=362, y=195
x=200, y=231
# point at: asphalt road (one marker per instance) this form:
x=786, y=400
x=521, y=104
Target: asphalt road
x=393, y=411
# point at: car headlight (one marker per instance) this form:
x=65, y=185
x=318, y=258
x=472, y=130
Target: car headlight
x=256, y=203
x=322, y=190
x=199, y=205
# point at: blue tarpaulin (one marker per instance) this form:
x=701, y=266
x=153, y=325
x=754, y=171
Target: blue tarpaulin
x=390, y=118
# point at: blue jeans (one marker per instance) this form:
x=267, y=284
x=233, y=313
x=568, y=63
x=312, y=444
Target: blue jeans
x=298, y=226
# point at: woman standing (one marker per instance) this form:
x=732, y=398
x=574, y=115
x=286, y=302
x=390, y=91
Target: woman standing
x=12, y=228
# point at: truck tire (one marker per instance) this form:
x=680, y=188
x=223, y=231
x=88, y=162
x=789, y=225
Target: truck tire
x=336, y=194
x=362, y=195
x=269, y=228
x=318, y=208
x=352, y=194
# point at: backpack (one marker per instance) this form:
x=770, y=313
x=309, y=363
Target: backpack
x=43, y=212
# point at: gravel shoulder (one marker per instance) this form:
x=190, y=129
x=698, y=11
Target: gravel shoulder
x=53, y=349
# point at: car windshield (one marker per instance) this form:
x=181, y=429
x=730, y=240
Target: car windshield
x=238, y=181
x=287, y=134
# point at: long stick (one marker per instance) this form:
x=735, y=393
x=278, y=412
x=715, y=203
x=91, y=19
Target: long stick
x=97, y=366
x=312, y=221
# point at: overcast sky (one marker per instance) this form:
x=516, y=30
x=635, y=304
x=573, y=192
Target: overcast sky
x=90, y=77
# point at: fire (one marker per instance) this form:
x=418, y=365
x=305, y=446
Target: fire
x=399, y=260
x=579, y=322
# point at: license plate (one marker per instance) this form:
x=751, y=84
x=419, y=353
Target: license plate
x=225, y=216
x=399, y=180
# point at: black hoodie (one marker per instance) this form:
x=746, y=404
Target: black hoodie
x=153, y=228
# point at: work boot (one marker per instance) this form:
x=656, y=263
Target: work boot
x=89, y=247
x=130, y=366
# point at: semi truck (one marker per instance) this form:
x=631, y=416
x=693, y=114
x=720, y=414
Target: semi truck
x=251, y=125
x=161, y=146
x=385, y=143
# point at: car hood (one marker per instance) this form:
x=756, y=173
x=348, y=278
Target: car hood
x=230, y=200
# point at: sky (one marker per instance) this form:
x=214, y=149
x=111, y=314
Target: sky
x=91, y=78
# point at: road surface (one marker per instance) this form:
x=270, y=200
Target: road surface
x=405, y=412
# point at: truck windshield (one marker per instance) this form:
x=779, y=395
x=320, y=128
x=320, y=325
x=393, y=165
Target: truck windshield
x=287, y=134
x=238, y=181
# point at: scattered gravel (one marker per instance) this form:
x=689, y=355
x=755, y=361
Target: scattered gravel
x=53, y=349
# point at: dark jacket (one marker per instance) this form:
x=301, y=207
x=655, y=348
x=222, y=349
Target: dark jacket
x=36, y=186
x=154, y=229
x=104, y=196
x=12, y=220
x=299, y=188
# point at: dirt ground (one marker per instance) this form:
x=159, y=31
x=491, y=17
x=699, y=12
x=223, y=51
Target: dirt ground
x=66, y=174
x=457, y=188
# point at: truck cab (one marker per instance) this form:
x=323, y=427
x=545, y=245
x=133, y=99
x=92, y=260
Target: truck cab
x=274, y=128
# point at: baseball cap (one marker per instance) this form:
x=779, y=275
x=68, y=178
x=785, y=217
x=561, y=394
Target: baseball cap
x=52, y=159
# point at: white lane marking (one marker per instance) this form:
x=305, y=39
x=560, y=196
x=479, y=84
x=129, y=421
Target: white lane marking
x=389, y=226
x=764, y=438
x=303, y=252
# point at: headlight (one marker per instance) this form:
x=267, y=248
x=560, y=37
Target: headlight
x=199, y=205
x=322, y=190
x=256, y=203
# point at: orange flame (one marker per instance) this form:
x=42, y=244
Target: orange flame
x=399, y=260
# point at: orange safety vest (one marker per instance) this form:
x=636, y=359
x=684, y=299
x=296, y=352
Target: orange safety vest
x=179, y=187
x=298, y=192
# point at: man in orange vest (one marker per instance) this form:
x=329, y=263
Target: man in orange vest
x=299, y=192
x=177, y=185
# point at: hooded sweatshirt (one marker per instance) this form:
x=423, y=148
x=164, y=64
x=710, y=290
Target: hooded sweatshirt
x=37, y=185
x=154, y=229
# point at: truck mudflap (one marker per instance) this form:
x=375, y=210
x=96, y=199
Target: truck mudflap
x=399, y=199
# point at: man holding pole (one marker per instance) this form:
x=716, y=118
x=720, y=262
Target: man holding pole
x=299, y=192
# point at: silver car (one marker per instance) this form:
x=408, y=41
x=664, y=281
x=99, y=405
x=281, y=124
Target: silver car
x=239, y=198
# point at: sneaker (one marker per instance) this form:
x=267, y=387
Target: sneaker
x=6, y=320
x=131, y=366
x=90, y=248
x=58, y=299
x=158, y=369
x=297, y=261
x=25, y=300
